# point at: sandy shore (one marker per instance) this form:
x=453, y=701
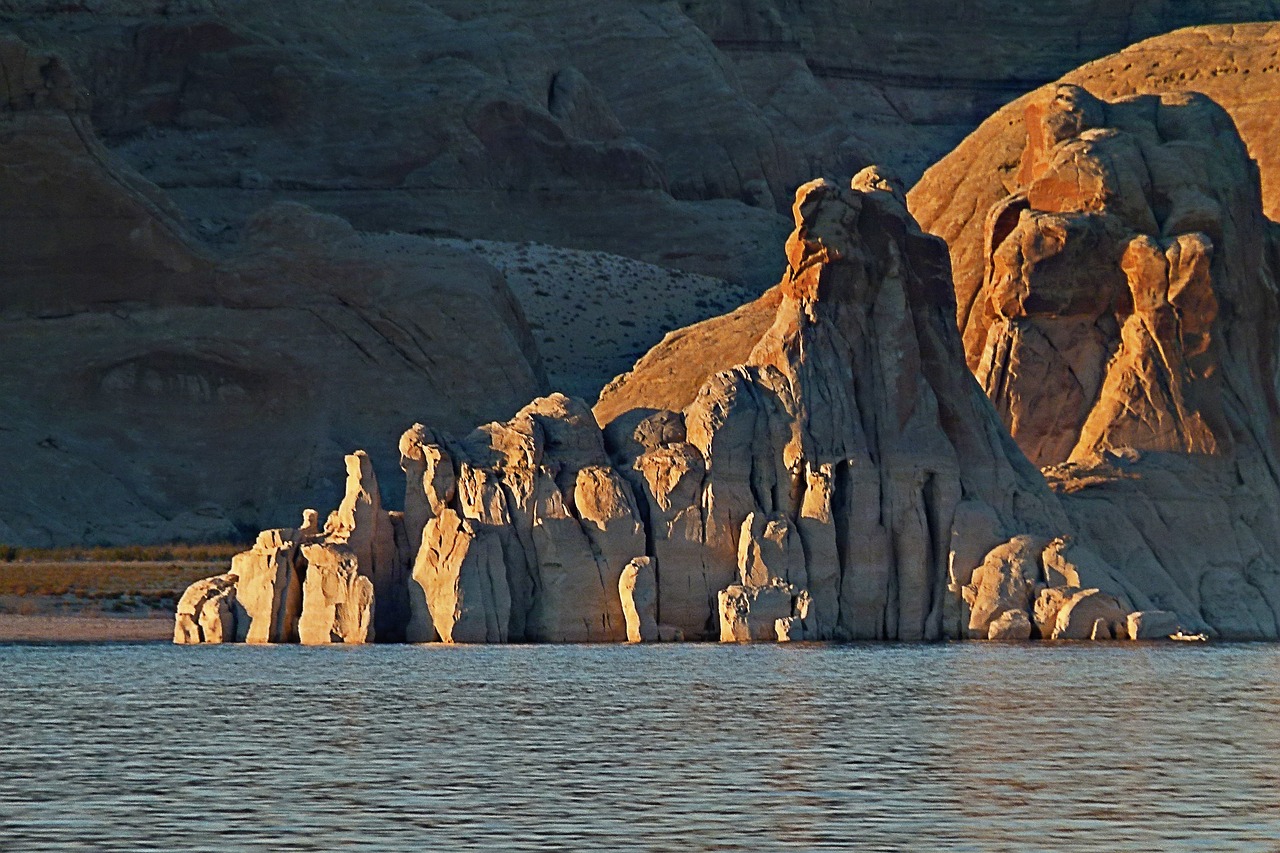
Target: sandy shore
x=21, y=628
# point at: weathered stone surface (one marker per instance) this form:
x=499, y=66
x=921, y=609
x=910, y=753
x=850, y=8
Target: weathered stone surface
x=206, y=611
x=268, y=598
x=1115, y=277
x=174, y=390
x=1089, y=615
x=751, y=613
x=365, y=528
x=1010, y=625
x=1152, y=625
x=769, y=547
x=1049, y=601
x=1004, y=582
x=463, y=581
x=638, y=589
x=775, y=450
x=337, y=600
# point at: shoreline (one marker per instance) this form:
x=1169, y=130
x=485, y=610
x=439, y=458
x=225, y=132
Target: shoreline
x=49, y=628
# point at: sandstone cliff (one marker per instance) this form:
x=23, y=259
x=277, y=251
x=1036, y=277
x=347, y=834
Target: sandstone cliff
x=1118, y=304
x=516, y=121
x=846, y=480
x=159, y=388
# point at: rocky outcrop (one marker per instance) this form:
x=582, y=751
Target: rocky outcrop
x=638, y=590
x=269, y=581
x=533, y=135
x=741, y=101
x=337, y=601
x=206, y=612
x=1124, y=322
x=168, y=389
x=822, y=489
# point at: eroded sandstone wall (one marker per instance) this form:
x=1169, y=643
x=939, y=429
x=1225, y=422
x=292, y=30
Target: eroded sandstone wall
x=1118, y=305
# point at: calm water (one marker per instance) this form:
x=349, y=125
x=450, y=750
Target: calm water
x=699, y=747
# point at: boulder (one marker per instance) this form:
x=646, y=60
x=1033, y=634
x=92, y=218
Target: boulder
x=207, y=612
x=1049, y=601
x=1005, y=582
x=749, y=614
x=789, y=630
x=1010, y=625
x=1089, y=614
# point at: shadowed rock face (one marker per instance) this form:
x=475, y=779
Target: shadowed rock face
x=158, y=389
x=1124, y=323
x=528, y=119
x=847, y=480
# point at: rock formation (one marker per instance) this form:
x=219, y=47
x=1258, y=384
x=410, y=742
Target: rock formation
x=311, y=585
x=1118, y=304
x=533, y=134
x=741, y=100
x=206, y=612
x=638, y=590
x=158, y=388
x=337, y=601
x=846, y=481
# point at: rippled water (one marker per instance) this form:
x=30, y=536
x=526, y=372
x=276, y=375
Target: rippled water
x=694, y=747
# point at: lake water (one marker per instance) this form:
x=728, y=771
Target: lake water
x=687, y=747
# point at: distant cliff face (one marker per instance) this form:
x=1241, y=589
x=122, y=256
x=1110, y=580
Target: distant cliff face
x=157, y=388
x=505, y=119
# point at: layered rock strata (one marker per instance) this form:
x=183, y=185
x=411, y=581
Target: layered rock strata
x=848, y=480
x=159, y=388
x=1118, y=305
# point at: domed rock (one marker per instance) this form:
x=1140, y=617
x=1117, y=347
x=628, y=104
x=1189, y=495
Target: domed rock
x=1117, y=302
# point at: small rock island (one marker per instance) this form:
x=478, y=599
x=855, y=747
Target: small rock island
x=846, y=478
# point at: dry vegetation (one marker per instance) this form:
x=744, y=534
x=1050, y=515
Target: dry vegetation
x=127, y=580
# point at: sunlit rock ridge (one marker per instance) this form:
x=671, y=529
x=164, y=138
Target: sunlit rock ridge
x=848, y=480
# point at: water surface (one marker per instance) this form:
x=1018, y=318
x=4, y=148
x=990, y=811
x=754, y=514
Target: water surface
x=690, y=747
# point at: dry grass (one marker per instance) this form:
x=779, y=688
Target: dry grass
x=105, y=587
x=102, y=580
x=124, y=553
